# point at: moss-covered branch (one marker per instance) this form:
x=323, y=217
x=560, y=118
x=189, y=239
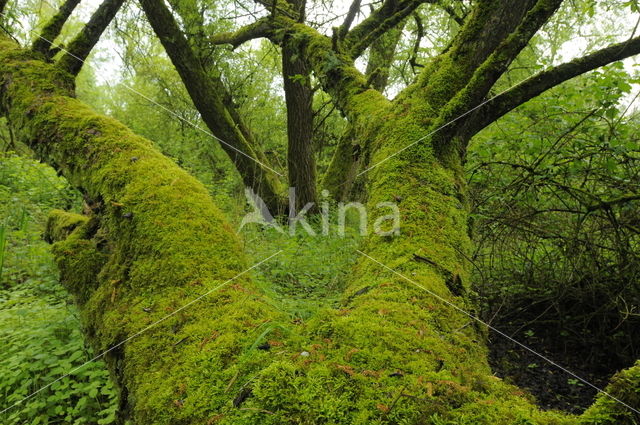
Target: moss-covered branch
x=486, y=75
x=52, y=29
x=208, y=95
x=489, y=23
x=153, y=241
x=390, y=14
x=259, y=29
x=78, y=50
x=548, y=79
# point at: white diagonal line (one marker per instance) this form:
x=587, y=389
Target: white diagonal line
x=499, y=332
x=195, y=300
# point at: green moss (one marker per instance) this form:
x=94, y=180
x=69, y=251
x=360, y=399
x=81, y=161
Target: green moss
x=624, y=386
x=60, y=224
x=154, y=241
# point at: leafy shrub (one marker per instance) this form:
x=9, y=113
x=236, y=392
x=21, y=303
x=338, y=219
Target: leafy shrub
x=39, y=328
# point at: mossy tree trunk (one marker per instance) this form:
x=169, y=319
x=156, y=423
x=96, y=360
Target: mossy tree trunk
x=395, y=352
x=152, y=242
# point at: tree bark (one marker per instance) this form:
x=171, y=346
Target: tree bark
x=53, y=28
x=208, y=95
x=79, y=49
x=394, y=352
x=299, y=102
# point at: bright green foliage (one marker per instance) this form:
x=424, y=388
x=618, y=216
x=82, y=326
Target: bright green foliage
x=39, y=327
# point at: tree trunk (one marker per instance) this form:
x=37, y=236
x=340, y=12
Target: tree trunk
x=299, y=99
x=350, y=153
x=391, y=353
x=208, y=95
x=152, y=242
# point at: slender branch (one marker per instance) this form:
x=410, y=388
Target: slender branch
x=381, y=55
x=451, y=12
x=550, y=78
x=81, y=46
x=52, y=29
x=610, y=203
x=413, y=60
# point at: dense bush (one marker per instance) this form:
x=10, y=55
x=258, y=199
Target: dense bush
x=556, y=192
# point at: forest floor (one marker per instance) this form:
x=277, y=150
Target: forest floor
x=552, y=387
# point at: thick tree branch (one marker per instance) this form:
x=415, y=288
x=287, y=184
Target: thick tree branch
x=487, y=26
x=209, y=97
x=335, y=70
x=490, y=71
x=81, y=46
x=538, y=84
x=390, y=14
x=354, y=9
x=260, y=28
x=53, y=28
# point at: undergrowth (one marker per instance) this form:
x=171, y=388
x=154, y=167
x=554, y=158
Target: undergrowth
x=309, y=274
x=40, y=331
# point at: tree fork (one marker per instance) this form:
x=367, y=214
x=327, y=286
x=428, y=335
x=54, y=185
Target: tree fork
x=207, y=95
